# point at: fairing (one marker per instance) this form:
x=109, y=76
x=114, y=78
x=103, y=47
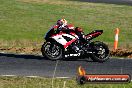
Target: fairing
x=64, y=39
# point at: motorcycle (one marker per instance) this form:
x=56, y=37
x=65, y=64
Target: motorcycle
x=62, y=44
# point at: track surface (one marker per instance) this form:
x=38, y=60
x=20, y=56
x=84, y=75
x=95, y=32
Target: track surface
x=30, y=65
x=125, y=2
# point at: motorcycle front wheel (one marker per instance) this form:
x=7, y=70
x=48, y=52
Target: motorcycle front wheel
x=100, y=52
x=51, y=50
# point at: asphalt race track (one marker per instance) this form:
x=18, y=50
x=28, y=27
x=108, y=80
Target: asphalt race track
x=30, y=65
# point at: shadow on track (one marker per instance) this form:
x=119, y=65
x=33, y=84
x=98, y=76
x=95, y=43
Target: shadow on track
x=118, y=2
x=22, y=56
x=19, y=56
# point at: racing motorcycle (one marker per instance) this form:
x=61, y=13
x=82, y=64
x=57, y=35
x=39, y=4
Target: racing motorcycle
x=63, y=44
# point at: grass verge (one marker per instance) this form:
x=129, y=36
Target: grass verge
x=26, y=21
x=23, y=82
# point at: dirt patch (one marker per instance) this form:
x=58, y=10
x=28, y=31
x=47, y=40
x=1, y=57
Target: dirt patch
x=44, y=1
x=35, y=50
x=25, y=50
x=121, y=53
x=58, y=2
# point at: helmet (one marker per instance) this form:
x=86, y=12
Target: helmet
x=62, y=22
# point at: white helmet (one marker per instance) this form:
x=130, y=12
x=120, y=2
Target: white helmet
x=62, y=22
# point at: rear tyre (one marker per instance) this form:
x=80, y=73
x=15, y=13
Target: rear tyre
x=52, y=51
x=100, y=52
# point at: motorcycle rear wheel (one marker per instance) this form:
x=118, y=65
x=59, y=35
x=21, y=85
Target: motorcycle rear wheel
x=101, y=52
x=51, y=50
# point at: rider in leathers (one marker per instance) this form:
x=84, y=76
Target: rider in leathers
x=61, y=25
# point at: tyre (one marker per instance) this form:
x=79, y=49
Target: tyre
x=52, y=51
x=81, y=80
x=100, y=52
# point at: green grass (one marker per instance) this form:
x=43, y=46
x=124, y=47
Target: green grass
x=28, y=21
x=23, y=82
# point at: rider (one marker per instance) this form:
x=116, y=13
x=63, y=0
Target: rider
x=62, y=25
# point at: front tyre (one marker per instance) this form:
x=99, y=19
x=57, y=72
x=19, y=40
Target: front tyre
x=100, y=52
x=51, y=50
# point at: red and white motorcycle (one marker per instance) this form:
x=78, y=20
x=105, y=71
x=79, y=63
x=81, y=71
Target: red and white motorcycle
x=61, y=44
